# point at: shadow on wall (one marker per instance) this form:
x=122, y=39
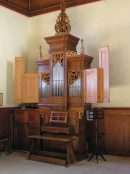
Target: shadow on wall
x=117, y=67
x=9, y=84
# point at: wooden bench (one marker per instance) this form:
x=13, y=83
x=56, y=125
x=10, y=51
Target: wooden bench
x=52, y=157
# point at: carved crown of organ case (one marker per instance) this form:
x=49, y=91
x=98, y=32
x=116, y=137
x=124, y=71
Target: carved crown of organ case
x=61, y=76
x=66, y=78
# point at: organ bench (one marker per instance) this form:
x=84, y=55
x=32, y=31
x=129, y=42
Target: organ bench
x=66, y=158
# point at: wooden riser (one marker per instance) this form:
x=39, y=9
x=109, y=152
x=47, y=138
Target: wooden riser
x=50, y=160
x=52, y=154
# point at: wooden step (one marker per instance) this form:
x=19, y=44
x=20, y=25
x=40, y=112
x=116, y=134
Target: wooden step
x=46, y=159
x=52, y=154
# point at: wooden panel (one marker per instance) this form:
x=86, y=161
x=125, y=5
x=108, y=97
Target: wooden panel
x=33, y=116
x=93, y=90
x=77, y=120
x=116, y=129
x=20, y=116
x=78, y=62
x=62, y=42
x=20, y=137
x=18, y=79
x=104, y=63
x=26, y=122
x=31, y=129
x=43, y=65
x=48, y=160
x=21, y=6
x=20, y=3
x=38, y=4
x=112, y=132
x=127, y=134
x=30, y=88
x=57, y=100
x=75, y=101
x=36, y=7
x=6, y=123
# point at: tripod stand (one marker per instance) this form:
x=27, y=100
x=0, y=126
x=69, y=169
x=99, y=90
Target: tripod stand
x=96, y=114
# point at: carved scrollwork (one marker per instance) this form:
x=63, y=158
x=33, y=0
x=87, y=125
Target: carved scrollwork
x=62, y=22
x=74, y=120
x=45, y=77
x=71, y=53
x=44, y=113
x=58, y=57
x=72, y=76
x=81, y=115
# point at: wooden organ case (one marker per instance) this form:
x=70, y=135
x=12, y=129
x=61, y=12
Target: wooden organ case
x=61, y=82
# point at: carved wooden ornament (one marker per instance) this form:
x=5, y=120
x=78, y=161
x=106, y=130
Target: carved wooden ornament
x=62, y=22
x=58, y=57
x=72, y=76
x=45, y=77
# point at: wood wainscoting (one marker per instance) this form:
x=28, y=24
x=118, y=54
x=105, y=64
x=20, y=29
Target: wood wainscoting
x=116, y=131
x=115, y=126
x=6, y=123
x=17, y=124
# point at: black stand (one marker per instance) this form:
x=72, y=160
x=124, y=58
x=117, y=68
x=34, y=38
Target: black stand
x=95, y=115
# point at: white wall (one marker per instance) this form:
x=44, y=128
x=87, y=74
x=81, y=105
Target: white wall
x=40, y=27
x=13, y=43
x=99, y=23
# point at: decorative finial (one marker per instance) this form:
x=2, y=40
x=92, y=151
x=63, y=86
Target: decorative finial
x=62, y=22
x=82, y=48
x=40, y=52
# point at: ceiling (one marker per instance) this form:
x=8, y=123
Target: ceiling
x=37, y=7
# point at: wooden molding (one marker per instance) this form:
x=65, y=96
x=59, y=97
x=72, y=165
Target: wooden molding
x=37, y=7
